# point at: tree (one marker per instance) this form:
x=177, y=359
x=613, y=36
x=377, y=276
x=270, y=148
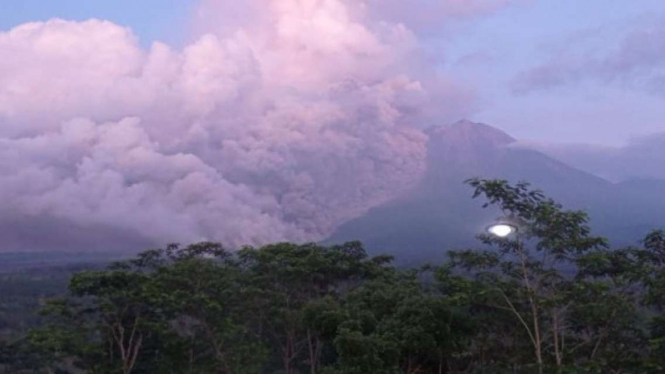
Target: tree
x=397, y=324
x=632, y=282
x=285, y=280
x=168, y=310
x=551, y=297
x=199, y=289
x=527, y=274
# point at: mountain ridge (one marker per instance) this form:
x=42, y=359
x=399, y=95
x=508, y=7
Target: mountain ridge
x=439, y=213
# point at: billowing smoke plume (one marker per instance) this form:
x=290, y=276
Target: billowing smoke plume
x=276, y=126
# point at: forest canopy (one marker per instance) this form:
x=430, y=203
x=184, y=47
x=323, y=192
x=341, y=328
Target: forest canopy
x=552, y=297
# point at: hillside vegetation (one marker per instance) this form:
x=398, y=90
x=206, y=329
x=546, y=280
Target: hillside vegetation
x=550, y=298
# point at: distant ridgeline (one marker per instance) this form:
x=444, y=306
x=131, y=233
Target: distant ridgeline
x=15, y=261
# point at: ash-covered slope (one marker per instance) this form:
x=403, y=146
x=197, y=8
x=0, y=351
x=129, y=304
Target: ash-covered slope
x=440, y=215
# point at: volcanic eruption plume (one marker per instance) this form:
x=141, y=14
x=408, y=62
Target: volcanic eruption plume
x=278, y=121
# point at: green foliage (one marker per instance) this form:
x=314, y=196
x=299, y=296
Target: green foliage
x=550, y=298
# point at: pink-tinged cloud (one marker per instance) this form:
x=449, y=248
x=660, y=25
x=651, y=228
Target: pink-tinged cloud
x=441, y=9
x=430, y=15
x=294, y=120
x=635, y=60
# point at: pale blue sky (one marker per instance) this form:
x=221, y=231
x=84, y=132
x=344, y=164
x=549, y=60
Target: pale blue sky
x=520, y=37
x=150, y=19
x=488, y=52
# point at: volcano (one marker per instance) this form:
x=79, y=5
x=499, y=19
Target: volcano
x=439, y=214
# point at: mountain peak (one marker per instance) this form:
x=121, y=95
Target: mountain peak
x=469, y=132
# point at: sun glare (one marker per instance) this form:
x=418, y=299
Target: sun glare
x=501, y=230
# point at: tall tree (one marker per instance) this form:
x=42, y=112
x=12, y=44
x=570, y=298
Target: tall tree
x=284, y=279
x=529, y=273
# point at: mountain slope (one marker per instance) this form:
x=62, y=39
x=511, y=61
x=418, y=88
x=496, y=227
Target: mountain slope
x=440, y=215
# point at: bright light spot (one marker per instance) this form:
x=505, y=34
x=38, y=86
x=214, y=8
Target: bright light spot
x=501, y=230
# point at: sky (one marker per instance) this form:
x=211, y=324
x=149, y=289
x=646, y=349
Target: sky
x=268, y=120
x=523, y=38
x=487, y=50
x=150, y=19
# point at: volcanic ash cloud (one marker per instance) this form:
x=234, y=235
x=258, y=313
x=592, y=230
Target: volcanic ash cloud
x=279, y=128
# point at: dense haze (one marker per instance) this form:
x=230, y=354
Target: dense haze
x=276, y=120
